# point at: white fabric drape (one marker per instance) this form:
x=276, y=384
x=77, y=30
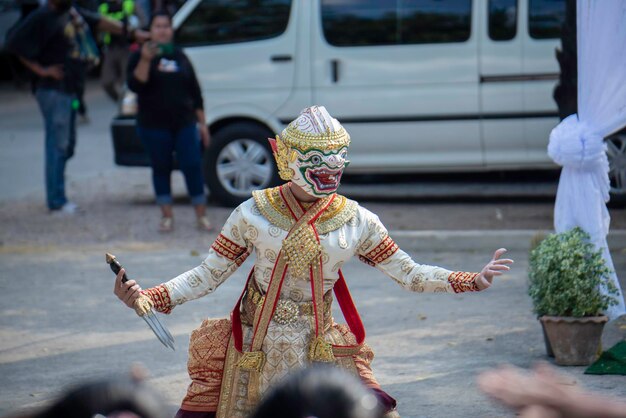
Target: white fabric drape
x=577, y=143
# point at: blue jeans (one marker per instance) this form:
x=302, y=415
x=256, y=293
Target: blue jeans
x=60, y=125
x=161, y=145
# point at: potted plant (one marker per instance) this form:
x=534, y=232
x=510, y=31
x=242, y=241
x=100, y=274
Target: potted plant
x=566, y=275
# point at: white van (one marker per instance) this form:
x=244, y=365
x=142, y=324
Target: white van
x=421, y=85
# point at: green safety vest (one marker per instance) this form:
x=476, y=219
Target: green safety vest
x=128, y=7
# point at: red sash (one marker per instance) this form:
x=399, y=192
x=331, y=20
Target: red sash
x=319, y=350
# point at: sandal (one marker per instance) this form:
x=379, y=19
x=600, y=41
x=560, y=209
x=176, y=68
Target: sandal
x=166, y=224
x=204, y=224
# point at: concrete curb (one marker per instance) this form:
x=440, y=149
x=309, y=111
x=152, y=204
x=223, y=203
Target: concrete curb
x=447, y=190
x=480, y=240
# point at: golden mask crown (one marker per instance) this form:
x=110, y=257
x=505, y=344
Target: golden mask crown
x=305, y=141
x=315, y=129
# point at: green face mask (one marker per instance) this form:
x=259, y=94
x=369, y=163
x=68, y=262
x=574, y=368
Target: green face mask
x=318, y=172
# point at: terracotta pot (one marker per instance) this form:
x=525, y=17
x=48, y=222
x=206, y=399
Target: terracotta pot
x=575, y=341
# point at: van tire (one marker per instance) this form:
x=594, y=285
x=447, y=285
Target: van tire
x=238, y=160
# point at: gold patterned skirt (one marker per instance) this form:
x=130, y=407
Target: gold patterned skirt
x=218, y=384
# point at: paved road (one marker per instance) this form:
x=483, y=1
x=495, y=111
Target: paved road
x=59, y=322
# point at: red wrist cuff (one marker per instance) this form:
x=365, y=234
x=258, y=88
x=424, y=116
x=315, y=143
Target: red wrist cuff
x=463, y=282
x=160, y=297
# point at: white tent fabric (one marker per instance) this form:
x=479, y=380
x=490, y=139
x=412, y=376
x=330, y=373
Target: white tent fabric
x=577, y=143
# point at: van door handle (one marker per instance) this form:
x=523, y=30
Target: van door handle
x=280, y=58
x=334, y=70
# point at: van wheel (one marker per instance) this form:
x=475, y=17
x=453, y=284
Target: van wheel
x=238, y=161
x=616, y=152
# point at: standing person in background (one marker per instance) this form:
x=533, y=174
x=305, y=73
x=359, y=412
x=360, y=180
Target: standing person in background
x=116, y=48
x=79, y=104
x=51, y=44
x=170, y=116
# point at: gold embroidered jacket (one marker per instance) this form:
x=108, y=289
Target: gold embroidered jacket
x=346, y=229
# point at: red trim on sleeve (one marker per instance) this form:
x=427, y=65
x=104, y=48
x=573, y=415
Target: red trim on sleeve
x=227, y=248
x=382, y=251
x=367, y=261
x=160, y=297
x=463, y=282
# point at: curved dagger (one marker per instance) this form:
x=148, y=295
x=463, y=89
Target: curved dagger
x=148, y=315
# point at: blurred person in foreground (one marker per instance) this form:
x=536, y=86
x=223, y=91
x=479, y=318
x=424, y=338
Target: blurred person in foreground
x=170, y=118
x=114, y=397
x=301, y=233
x=542, y=393
x=321, y=392
x=51, y=43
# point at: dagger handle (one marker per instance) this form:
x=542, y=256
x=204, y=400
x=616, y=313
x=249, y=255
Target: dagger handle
x=116, y=267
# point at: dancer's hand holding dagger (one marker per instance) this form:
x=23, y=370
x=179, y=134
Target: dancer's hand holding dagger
x=129, y=292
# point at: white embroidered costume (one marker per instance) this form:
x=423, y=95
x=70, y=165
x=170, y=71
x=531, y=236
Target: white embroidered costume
x=299, y=252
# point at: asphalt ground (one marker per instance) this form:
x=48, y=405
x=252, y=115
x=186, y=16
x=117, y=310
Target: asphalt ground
x=61, y=324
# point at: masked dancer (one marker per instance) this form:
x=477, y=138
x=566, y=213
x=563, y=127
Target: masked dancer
x=301, y=233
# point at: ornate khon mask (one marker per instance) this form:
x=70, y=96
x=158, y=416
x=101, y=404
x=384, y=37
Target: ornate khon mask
x=311, y=151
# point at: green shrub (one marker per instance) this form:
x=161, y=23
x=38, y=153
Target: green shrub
x=565, y=274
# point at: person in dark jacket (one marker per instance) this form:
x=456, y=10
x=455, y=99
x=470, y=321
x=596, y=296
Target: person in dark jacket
x=170, y=117
x=52, y=43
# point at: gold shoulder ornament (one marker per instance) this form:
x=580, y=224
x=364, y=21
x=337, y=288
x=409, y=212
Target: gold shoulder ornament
x=271, y=205
x=284, y=155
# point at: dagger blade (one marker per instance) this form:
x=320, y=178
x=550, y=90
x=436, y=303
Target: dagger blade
x=158, y=330
x=161, y=332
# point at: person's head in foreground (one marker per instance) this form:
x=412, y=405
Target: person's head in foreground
x=319, y=392
x=311, y=152
x=115, y=397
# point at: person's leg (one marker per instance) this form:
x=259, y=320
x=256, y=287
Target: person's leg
x=124, y=54
x=80, y=94
x=117, y=56
x=56, y=108
x=160, y=146
x=71, y=149
x=82, y=108
x=188, y=153
x=108, y=74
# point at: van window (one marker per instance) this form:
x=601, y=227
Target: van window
x=215, y=22
x=502, y=19
x=545, y=18
x=395, y=22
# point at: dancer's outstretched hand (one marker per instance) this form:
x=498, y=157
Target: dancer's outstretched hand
x=493, y=268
